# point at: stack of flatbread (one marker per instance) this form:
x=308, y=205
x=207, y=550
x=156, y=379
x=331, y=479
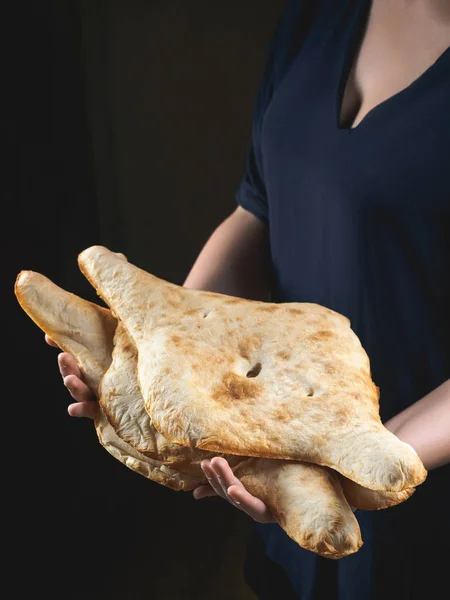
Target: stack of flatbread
x=283, y=391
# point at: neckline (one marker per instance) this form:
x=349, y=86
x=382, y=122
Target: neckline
x=357, y=32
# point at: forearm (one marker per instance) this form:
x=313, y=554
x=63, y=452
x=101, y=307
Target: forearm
x=235, y=259
x=425, y=425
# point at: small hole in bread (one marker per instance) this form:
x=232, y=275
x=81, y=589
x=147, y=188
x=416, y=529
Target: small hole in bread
x=310, y=392
x=206, y=312
x=256, y=370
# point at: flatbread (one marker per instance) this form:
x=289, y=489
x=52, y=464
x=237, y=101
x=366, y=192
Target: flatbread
x=122, y=402
x=151, y=469
x=365, y=499
x=86, y=331
x=285, y=381
x=308, y=502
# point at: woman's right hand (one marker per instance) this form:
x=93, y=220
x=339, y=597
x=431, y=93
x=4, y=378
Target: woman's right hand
x=85, y=405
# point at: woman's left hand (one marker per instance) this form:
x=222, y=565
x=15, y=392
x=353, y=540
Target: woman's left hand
x=223, y=483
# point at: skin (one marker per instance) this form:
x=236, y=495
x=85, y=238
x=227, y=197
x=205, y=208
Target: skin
x=402, y=39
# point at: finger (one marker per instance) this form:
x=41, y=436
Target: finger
x=86, y=410
x=211, y=476
x=78, y=389
x=225, y=477
x=253, y=506
x=224, y=472
x=68, y=365
x=73, y=378
x=203, y=491
x=50, y=342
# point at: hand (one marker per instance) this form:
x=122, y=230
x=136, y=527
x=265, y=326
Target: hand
x=223, y=483
x=85, y=405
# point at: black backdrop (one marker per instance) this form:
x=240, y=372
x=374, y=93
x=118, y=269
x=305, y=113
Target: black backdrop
x=76, y=523
x=136, y=141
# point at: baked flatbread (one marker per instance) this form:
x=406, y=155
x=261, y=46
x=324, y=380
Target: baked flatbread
x=86, y=327
x=151, y=469
x=122, y=402
x=86, y=331
x=308, y=501
x=285, y=381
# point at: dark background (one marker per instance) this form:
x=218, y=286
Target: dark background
x=124, y=123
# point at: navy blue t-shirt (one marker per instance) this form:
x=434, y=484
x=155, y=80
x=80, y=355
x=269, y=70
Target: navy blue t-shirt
x=359, y=221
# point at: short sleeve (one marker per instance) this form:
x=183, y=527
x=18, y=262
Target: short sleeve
x=285, y=44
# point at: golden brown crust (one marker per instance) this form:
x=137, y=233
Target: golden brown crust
x=151, y=469
x=285, y=381
x=365, y=499
x=121, y=400
x=59, y=314
x=307, y=500
x=86, y=331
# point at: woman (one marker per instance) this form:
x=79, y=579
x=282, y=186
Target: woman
x=346, y=202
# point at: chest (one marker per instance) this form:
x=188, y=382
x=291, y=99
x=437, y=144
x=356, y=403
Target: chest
x=399, y=43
